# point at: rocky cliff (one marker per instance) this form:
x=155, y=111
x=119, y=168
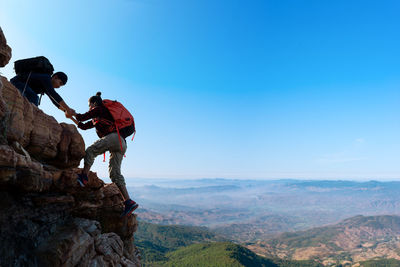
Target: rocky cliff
x=5, y=50
x=46, y=218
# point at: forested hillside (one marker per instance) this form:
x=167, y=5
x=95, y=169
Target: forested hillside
x=176, y=245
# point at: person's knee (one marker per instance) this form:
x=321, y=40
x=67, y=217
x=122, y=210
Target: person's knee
x=89, y=150
x=118, y=180
x=115, y=174
x=89, y=155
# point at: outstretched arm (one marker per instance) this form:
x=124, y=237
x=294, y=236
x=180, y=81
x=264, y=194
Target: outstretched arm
x=57, y=99
x=92, y=113
x=85, y=126
x=69, y=112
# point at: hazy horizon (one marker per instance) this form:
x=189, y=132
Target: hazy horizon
x=268, y=207
x=137, y=182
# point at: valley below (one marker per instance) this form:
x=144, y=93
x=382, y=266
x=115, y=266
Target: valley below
x=328, y=222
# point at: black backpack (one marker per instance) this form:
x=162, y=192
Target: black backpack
x=35, y=64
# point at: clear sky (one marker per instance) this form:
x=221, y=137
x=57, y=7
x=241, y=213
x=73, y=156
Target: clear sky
x=231, y=89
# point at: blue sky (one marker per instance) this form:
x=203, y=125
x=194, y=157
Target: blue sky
x=232, y=89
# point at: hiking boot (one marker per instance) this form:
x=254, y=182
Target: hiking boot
x=82, y=179
x=130, y=206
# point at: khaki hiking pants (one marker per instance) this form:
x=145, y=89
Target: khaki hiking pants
x=109, y=143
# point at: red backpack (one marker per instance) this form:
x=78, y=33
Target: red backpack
x=123, y=119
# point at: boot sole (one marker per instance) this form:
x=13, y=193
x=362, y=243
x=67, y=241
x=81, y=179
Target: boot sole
x=134, y=207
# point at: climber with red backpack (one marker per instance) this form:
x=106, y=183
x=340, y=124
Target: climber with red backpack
x=113, y=124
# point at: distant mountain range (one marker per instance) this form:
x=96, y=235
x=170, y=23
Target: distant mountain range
x=356, y=239
x=256, y=210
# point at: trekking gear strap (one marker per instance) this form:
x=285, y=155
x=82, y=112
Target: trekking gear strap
x=119, y=138
x=104, y=158
x=40, y=99
x=26, y=83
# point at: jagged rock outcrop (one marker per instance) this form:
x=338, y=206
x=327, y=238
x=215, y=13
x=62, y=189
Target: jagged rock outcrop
x=5, y=50
x=5, y=56
x=46, y=218
x=39, y=134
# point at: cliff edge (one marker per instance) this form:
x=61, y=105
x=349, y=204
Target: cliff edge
x=46, y=218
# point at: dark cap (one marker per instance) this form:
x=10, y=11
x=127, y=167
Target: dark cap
x=62, y=76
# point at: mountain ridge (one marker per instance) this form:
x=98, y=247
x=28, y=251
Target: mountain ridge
x=355, y=239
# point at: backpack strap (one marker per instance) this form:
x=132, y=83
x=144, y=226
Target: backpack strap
x=40, y=98
x=120, y=143
x=26, y=83
x=119, y=138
